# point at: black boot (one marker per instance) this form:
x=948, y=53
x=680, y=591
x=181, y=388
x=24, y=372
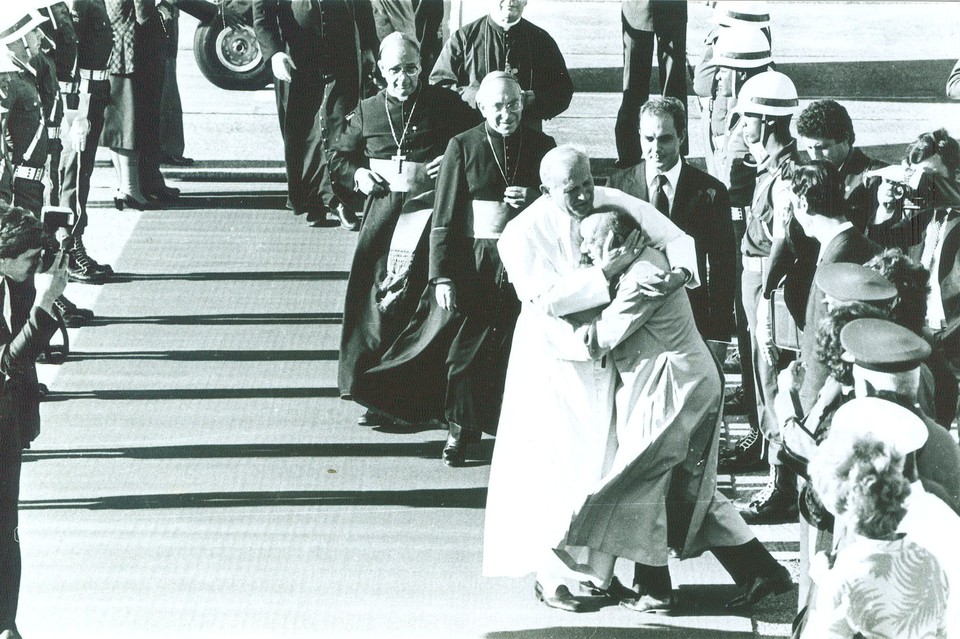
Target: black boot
x=453, y=450
x=755, y=571
x=746, y=455
x=777, y=502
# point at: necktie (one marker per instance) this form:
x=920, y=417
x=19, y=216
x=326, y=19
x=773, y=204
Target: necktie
x=660, y=196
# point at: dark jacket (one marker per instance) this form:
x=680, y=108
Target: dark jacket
x=701, y=208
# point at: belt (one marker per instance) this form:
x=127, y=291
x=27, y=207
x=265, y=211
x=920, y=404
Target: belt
x=69, y=87
x=53, y=132
x=94, y=74
x=28, y=173
x=753, y=264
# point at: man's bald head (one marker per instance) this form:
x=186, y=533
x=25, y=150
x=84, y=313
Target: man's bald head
x=566, y=178
x=500, y=100
x=399, y=64
x=399, y=42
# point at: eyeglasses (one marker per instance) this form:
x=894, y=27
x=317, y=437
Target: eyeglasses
x=406, y=69
x=514, y=106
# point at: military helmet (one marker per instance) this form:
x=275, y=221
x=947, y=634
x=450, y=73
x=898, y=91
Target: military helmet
x=770, y=93
x=742, y=47
x=729, y=14
x=18, y=22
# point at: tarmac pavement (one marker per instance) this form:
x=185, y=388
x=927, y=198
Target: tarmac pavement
x=197, y=475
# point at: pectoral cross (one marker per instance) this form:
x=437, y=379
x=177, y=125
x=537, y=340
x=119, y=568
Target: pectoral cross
x=399, y=158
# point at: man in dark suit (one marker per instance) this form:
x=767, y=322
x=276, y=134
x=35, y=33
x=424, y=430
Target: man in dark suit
x=818, y=207
x=319, y=50
x=696, y=202
x=419, y=19
x=642, y=22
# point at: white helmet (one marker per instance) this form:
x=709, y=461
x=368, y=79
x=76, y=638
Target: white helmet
x=730, y=13
x=18, y=22
x=742, y=47
x=768, y=93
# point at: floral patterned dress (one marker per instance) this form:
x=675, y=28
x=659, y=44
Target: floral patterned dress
x=879, y=589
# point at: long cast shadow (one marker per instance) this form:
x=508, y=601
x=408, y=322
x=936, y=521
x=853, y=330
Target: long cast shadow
x=423, y=450
x=225, y=319
x=211, y=356
x=195, y=393
x=234, y=202
x=234, y=276
x=473, y=498
x=868, y=80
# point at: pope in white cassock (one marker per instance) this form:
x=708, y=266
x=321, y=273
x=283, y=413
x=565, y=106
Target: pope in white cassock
x=555, y=440
x=557, y=415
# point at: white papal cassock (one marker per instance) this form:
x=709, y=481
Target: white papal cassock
x=557, y=414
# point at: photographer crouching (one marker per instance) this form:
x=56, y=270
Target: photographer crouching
x=27, y=296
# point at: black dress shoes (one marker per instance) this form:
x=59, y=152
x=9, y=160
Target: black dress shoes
x=164, y=194
x=454, y=451
x=561, y=599
x=372, y=417
x=171, y=160
x=648, y=603
x=616, y=591
x=776, y=584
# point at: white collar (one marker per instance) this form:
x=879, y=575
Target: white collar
x=673, y=175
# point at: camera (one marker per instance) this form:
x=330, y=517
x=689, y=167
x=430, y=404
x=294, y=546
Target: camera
x=53, y=219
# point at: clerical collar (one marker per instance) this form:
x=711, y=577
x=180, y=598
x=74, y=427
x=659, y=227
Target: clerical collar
x=503, y=27
x=494, y=133
x=410, y=98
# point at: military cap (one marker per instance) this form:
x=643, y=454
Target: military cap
x=742, y=48
x=847, y=282
x=891, y=423
x=880, y=345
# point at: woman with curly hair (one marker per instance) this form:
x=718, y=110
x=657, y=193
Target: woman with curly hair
x=938, y=386
x=880, y=583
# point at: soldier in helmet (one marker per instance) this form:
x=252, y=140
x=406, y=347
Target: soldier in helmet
x=766, y=104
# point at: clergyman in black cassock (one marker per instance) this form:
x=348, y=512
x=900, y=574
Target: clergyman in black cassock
x=393, y=141
x=459, y=339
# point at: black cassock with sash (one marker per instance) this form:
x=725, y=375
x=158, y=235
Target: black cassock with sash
x=452, y=365
x=389, y=268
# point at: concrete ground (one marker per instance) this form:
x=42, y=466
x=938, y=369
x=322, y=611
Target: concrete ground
x=197, y=475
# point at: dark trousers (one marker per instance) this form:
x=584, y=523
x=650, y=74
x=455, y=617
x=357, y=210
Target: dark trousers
x=744, y=341
x=312, y=110
x=637, y=69
x=150, y=65
x=10, y=462
x=745, y=563
x=28, y=194
x=75, y=180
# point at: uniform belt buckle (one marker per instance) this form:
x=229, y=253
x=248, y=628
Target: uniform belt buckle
x=53, y=132
x=28, y=173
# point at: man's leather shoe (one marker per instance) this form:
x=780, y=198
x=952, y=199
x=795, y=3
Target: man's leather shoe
x=776, y=584
x=348, y=219
x=372, y=417
x=562, y=599
x=453, y=453
x=616, y=591
x=176, y=161
x=648, y=603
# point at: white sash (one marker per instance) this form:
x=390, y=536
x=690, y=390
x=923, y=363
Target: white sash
x=489, y=218
x=401, y=175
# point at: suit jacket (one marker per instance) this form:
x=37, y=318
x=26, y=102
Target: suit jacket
x=850, y=246
x=659, y=16
x=422, y=22
x=701, y=208
x=20, y=344
x=319, y=35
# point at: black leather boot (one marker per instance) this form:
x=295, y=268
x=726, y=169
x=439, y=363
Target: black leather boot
x=777, y=502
